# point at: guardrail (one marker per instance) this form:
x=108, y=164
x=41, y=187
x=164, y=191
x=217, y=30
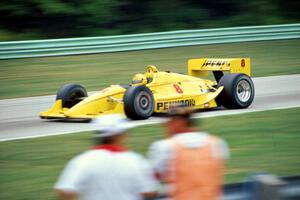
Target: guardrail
x=89, y=45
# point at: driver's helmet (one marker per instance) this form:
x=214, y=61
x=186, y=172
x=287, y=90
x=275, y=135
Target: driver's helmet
x=151, y=69
x=139, y=79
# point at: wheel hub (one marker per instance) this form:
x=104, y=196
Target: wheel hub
x=243, y=91
x=143, y=101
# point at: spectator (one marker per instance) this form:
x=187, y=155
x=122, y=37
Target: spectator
x=108, y=171
x=189, y=161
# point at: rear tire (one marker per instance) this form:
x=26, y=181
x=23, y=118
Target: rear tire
x=71, y=94
x=138, y=102
x=238, y=91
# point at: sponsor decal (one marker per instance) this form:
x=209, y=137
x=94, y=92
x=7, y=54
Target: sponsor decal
x=172, y=104
x=215, y=63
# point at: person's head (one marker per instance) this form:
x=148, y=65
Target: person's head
x=139, y=79
x=179, y=121
x=111, y=129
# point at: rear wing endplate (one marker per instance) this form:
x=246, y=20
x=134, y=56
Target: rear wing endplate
x=201, y=66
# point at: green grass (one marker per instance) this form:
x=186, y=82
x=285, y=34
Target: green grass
x=41, y=76
x=259, y=142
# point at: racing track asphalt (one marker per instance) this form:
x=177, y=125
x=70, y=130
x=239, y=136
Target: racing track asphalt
x=19, y=118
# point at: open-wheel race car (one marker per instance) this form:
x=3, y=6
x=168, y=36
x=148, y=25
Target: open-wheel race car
x=157, y=91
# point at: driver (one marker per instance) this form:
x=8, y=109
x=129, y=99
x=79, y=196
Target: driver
x=147, y=77
x=150, y=70
x=139, y=79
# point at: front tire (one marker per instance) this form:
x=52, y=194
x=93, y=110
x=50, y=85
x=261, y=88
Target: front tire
x=71, y=94
x=238, y=91
x=138, y=102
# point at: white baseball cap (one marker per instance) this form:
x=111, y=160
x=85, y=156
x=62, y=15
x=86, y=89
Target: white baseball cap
x=112, y=124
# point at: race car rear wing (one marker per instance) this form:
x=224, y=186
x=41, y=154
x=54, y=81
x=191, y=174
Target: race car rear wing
x=201, y=66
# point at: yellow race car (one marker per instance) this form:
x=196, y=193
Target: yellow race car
x=158, y=91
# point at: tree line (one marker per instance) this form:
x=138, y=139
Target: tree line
x=76, y=18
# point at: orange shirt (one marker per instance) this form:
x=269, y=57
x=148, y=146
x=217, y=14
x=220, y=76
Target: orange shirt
x=196, y=173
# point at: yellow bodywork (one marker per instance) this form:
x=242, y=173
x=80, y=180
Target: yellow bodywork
x=168, y=89
x=106, y=101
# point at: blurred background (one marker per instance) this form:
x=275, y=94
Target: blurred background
x=33, y=19
x=267, y=141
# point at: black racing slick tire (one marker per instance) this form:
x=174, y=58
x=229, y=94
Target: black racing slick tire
x=138, y=102
x=71, y=94
x=238, y=91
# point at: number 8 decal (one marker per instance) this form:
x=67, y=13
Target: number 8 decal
x=177, y=88
x=243, y=63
